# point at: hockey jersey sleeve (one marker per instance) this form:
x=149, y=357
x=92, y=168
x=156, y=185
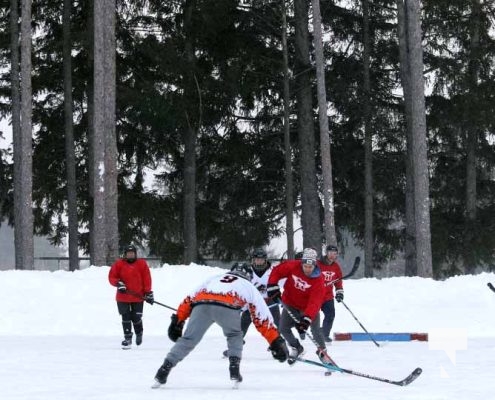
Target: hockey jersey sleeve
x=261, y=316
x=145, y=275
x=184, y=309
x=113, y=274
x=281, y=271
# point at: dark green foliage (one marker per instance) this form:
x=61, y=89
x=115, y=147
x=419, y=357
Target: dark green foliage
x=232, y=93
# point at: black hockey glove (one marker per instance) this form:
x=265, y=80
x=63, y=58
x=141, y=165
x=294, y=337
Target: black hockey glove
x=148, y=298
x=261, y=288
x=121, y=287
x=279, y=349
x=273, y=292
x=175, y=328
x=339, y=295
x=303, y=325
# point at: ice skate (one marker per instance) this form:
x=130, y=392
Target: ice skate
x=162, y=374
x=234, y=369
x=294, y=353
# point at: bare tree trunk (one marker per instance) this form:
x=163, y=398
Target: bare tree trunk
x=91, y=130
x=98, y=145
x=421, y=175
x=368, y=146
x=111, y=154
x=310, y=203
x=26, y=208
x=326, y=158
x=69, y=141
x=472, y=140
x=16, y=129
x=193, y=118
x=411, y=267
x=289, y=186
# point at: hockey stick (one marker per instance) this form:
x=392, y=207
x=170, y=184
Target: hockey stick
x=360, y=324
x=353, y=270
x=404, y=382
x=132, y=293
x=490, y=285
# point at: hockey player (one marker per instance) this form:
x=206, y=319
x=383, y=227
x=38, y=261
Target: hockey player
x=332, y=274
x=132, y=277
x=261, y=271
x=219, y=300
x=302, y=296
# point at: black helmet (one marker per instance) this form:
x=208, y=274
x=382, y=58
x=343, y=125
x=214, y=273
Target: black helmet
x=259, y=253
x=332, y=247
x=242, y=270
x=128, y=249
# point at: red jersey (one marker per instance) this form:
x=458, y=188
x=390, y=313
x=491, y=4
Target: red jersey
x=136, y=276
x=302, y=292
x=331, y=272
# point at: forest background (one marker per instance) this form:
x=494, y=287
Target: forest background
x=220, y=99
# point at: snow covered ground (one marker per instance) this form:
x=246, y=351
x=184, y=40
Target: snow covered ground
x=60, y=337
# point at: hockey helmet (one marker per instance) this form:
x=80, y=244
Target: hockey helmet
x=332, y=247
x=242, y=270
x=258, y=261
x=130, y=249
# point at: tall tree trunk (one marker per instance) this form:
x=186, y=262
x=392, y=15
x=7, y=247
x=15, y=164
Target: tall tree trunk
x=26, y=208
x=326, y=159
x=193, y=121
x=310, y=203
x=368, y=146
x=411, y=267
x=69, y=141
x=90, y=121
x=421, y=175
x=472, y=140
x=98, y=144
x=289, y=186
x=111, y=154
x=16, y=129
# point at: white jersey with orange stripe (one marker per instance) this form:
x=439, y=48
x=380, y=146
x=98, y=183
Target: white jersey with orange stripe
x=234, y=292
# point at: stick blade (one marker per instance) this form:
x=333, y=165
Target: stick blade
x=411, y=378
x=354, y=268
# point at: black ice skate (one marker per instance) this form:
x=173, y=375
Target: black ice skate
x=139, y=339
x=295, y=352
x=235, y=375
x=162, y=374
x=127, y=343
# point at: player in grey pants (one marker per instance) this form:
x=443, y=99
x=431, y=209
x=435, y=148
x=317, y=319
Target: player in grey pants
x=220, y=299
x=202, y=317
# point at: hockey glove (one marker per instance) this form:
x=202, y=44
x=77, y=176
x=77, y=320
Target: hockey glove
x=148, y=298
x=261, y=288
x=279, y=349
x=175, y=328
x=339, y=295
x=303, y=325
x=273, y=292
x=121, y=287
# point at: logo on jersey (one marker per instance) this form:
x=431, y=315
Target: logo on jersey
x=300, y=283
x=329, y=276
